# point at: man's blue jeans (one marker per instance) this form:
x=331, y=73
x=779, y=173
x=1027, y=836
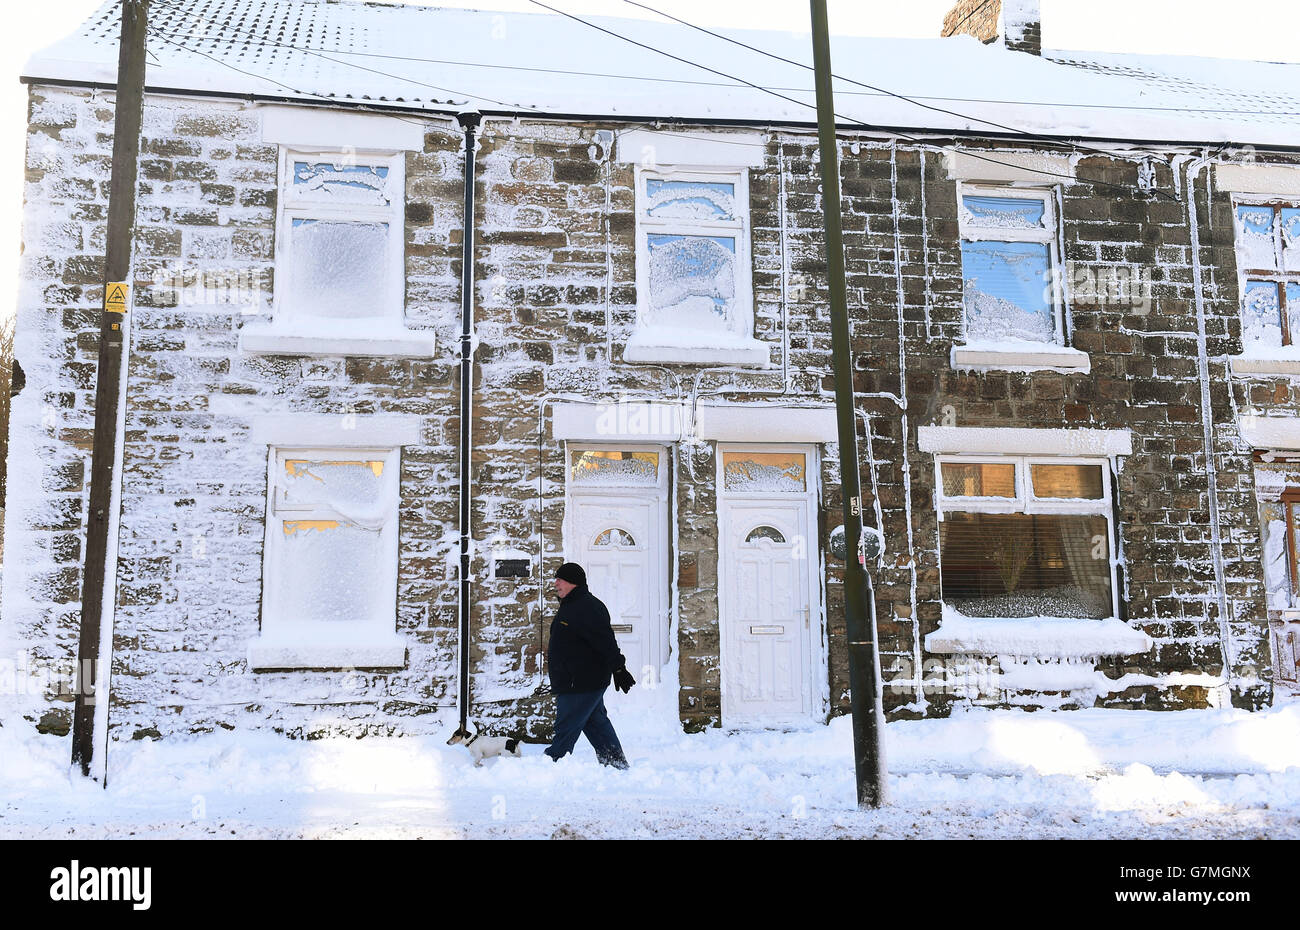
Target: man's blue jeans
x=584, y=713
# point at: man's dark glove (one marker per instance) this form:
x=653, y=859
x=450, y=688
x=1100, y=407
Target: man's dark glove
x=623, y=680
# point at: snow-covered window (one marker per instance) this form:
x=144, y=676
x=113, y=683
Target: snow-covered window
x=614, y=538
x=694, y=300
x=1008, y=257
x=339, y=240
x=330, y=563
x=1268, y=261
x=613, y=468
x=760, y=533
x=1021, y=536
x=765, y=471
x=1280, y=548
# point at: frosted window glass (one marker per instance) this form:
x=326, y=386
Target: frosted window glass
x=332, y=572
x=329, y=183
x=1291, y=239
x=614, y=538
x=1008, y=291
x=336, y=484
x=601, y=467
x=1261, y=318
x=765, y=532
x=339, y=269
x=1006, y=212
x=690, y=200
x=1256, y=241
x=692, y=280
x=764, y=471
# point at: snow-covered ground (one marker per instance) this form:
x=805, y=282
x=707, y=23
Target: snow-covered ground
x=1004, y=774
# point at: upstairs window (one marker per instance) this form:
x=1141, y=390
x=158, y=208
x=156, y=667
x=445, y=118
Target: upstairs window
x=339, y=239
x=694, y=298
x=1268, y=261
x=1008, y=257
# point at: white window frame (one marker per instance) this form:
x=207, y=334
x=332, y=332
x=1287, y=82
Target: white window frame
x=285, y=642
x=293, y=329
x=1026, y=502
x=293, y=205
x=641, y=347
x=1049, y=234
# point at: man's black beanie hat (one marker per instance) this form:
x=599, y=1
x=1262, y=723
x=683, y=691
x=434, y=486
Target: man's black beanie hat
x=572, y=573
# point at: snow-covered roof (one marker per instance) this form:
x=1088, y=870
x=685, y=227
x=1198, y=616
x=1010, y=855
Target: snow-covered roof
x=451, y=59
x=1263, y=93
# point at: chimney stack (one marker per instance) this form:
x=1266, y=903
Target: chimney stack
x=1016, y=23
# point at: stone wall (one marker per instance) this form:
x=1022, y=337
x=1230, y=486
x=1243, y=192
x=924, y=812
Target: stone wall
x=195, y=488
x=557, y=277
x=1148, y=374
x=555, y=302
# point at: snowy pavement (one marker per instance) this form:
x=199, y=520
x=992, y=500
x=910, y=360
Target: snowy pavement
x=984, y=774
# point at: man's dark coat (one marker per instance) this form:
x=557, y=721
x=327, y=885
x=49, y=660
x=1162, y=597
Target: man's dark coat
x=583, y=652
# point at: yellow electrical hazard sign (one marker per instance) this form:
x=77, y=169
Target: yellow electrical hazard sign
x=116, y=294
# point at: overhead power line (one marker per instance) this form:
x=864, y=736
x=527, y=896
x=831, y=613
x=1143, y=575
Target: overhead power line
x=1075, y=147
x=414, y=121
x=736, y=81
x=840, y=116
x=348, y=64
x=294, y=90
x=258, y=40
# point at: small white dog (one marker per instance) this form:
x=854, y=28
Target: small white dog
x=481, y=746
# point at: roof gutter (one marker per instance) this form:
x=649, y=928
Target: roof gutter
x=469, y=123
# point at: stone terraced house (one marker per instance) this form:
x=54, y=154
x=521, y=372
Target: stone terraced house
x=1070, y=275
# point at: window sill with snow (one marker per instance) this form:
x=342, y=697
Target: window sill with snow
x=682, y=347
x=353, y=337
x=1040, y=637
x=1019, y=355
x=1265, y=360
x=329, y=645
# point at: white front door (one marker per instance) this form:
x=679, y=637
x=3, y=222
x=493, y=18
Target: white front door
x=617, y=524
x=618, y=543
x=767, y=601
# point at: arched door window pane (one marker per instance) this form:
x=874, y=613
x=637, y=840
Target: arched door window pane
x=614, y=538
x=765, y=532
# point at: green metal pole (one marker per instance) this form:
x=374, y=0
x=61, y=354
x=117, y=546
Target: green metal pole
x=864, y=672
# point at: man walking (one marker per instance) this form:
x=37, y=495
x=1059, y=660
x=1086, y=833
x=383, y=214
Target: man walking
x=581, y=658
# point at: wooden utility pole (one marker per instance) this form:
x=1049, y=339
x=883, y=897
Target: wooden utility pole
x=93, y=657
x=864, y=670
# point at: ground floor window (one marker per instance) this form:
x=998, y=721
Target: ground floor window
x=1026, y=537
x=329, y=581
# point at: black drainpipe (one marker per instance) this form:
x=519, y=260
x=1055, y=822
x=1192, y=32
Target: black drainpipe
x=468, y=122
